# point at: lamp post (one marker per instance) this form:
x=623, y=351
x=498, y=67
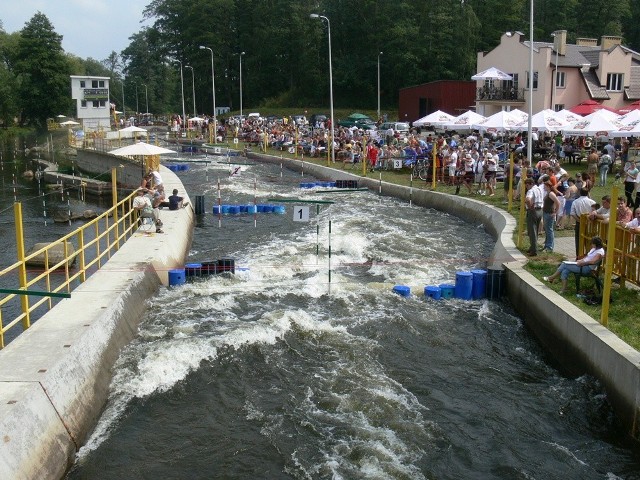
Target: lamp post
x=240, y=55
x=213, y=94
x=530, y=112
x=124, y=113
x=193, y=87
x=555, y=76
x=184, y=115
x=322, y=17
x=146, y=97
x=379, y=85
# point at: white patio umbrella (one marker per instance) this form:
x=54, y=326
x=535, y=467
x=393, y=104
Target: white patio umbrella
x=69, y=123
x=133, y=129
x=140, y=148
x=500, y=122
x=631, y=129
x=597, y=126
x=568, y=116
x=629, y=118
x=602, y=113
x=519, y=113
x=544, y=121
x=464, y=121
x=492, y=74
x=436, y=118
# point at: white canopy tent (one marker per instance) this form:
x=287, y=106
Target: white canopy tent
x=464, y=121
x=568, y=116
x=500, y=122
x=629, y=118
x=597, y=126
x=435, y=119
x=492, y=74
x=544, y=121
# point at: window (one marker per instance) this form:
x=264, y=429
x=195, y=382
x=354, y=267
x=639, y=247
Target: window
x=558, y=107
x=94, y=84
x=83, y=103
x=535, y=80
x=614, y=82
x=561, y=79
x=101, y=84
x=82, y=84
x=102, y=103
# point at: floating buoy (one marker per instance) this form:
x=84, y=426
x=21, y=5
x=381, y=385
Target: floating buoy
x=402, y=290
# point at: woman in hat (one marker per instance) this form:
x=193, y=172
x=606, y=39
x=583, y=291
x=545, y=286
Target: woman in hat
x=589, y=262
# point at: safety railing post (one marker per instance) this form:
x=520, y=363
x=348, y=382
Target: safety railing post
x=22, y=270
x=114, y=196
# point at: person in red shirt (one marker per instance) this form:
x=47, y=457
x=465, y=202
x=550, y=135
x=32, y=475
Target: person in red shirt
x=372, y=154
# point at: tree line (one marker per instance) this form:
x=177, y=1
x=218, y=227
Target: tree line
x=286, y=53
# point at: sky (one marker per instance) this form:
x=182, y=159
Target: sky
x=89, y=28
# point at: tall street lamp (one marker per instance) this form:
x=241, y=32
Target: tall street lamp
x=184, y=115
x=555, y=74
x=322, y=17
x=124, y=113
x=146, y=97
x=379, y=85
x=213, y=94
x=240, y=55
x=193, y=86
x=530, y=112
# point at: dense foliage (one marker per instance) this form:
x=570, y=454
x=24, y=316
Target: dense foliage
x=286, y=52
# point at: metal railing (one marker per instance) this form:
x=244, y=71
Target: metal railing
x=500, y=94
x=56, y=269
x=626, y=248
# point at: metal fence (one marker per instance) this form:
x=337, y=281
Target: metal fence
x=53, y=271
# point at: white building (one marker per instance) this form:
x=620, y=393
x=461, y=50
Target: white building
x=92, y=101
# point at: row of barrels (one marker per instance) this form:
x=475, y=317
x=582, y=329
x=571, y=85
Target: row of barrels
x=249, y=209
x=336, y=184
x=472, y=285
x=178, y=168
x=193, y=271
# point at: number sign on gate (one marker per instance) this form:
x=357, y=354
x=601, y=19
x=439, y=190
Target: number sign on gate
x=300, y=214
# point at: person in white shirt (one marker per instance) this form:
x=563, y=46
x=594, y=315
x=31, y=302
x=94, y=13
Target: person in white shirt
x=533, y=203
x=634, y=225
x=580, y=206
x=589, y=262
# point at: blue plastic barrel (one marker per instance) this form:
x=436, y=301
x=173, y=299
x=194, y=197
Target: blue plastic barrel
x=479, y=284
x=226, y=209
x=446, y=290
x=184, y=167
x=252, y=208
x=173, y=168
x=267, y=208
x=464, y=285
x=177, y=277
x=332, y=185
x=244, y=208
x=193, y=270
x=234, y=209
x=402, y=290
x=433, y=292
x=216, y=209
x=280, y=209
x=260, y=208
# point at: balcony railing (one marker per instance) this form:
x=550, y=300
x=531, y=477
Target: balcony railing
x=485, y=94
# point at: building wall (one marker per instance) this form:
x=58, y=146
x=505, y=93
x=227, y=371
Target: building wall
x=618, y=61
x=450, y=96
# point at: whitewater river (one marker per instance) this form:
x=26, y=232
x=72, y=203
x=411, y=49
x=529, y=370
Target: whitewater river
x=277, y=373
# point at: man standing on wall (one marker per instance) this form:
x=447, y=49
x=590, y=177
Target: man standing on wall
x=533, y=203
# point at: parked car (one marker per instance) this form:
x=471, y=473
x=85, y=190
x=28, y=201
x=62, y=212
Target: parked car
x=358, y=120
x=401, y=127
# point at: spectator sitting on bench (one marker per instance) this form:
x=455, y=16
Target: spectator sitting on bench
x=586, y=264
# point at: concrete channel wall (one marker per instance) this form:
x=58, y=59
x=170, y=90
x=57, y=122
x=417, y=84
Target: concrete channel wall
x=54, y=377
x=576, y=341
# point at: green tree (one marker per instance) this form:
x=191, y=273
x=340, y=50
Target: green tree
x=43, y=72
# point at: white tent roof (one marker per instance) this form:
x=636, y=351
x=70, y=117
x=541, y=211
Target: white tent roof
x=140, y=148
x=436, y=118
x=464, y=121
x=602, y=113
x=492, y=74
x=544, y=121
x=498, y=122
x=631, y=117
x=596, y=125
x=133, y=129
x=569, y=116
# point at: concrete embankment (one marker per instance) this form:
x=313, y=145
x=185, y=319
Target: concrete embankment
x=576, y=341
x=54, y=377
